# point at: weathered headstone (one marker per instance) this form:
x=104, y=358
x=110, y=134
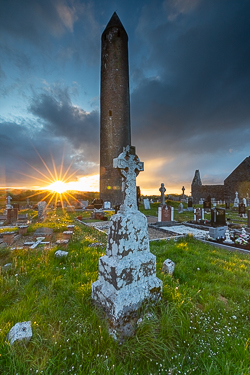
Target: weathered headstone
x=61, y=254
x=8, y=205
x=180, y=208
x=162, y=190
x=236, y=200
x=43, y=232
x=127, y=273
x=41, y=209
x=146, y=204
x=168, y=266
x=85, y=203
x=20, y=331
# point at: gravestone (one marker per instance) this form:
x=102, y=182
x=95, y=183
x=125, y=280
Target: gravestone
x=162, y=190
x=248, y=218
x=166, y=213
x=20, y=331
x=97, y=203
x=138, y=195
x=180, y=208
x=146, y=204
x=183, y=192
x=107, y=205
x=61, y=253
x=43, y=232
x=207, y=205
x=198, y=214
x=217, y=233
x=127, y=273
x=242, y=209
x=41, y=209
x=85, y=203
x=227, y=205
x=236, y=200
x=218, y=217
x=190, y=204
x=168, y=266
x=8, y=205
x=244, y=201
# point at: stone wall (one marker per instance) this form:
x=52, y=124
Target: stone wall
x=238, y=180
x=203, y=191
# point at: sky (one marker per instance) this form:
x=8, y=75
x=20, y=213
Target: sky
x=189, y=68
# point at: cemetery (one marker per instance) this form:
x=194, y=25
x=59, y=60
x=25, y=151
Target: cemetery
x=47, y=304
x=121, y=283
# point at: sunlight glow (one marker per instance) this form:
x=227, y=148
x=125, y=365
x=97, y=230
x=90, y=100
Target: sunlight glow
x=58, y=187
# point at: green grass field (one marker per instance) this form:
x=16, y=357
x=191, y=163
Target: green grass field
x=200, y=326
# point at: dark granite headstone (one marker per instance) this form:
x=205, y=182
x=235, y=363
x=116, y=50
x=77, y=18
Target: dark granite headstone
x=242, y=209
x=97, y=203
x=207, y=205
x=190, y=202
x=218, y=217
x=227, y=205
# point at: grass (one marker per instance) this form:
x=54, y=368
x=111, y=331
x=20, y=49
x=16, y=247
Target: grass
x=200, y=326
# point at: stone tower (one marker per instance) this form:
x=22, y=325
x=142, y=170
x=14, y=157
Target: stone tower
x=115, y=130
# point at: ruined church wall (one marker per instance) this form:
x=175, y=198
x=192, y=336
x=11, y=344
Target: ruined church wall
x=203, y=191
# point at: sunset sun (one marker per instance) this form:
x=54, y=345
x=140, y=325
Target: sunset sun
x=58, y=187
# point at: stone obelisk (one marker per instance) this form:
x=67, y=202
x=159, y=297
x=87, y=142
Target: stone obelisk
x=115, y=130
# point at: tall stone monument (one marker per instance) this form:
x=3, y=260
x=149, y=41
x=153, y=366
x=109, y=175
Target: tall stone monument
x=115, y=130
x=127, y=273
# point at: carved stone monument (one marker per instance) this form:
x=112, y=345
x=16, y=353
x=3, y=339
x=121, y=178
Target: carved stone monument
x=41, y=209
x=8, y=205
x=127, y=273
x=162, y=190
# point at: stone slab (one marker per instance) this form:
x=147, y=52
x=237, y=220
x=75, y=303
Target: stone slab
x=20, y=331
x=184, y=230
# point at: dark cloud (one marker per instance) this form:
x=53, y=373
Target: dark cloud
x=64, y=120
x=198, y=101
x=59, y=131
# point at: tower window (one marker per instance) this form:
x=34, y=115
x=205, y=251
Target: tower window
x=110, y=113
x=118, y=33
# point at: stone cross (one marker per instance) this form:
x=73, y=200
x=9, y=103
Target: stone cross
x=129, y=165
x=183, y=190
x=162, y=190
x=8, y=199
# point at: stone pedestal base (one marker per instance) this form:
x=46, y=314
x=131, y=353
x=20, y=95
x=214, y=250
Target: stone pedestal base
x=127, y=273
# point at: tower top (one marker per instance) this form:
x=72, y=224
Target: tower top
x=114, y=22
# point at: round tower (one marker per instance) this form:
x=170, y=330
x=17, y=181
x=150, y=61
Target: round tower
x=115, y=130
